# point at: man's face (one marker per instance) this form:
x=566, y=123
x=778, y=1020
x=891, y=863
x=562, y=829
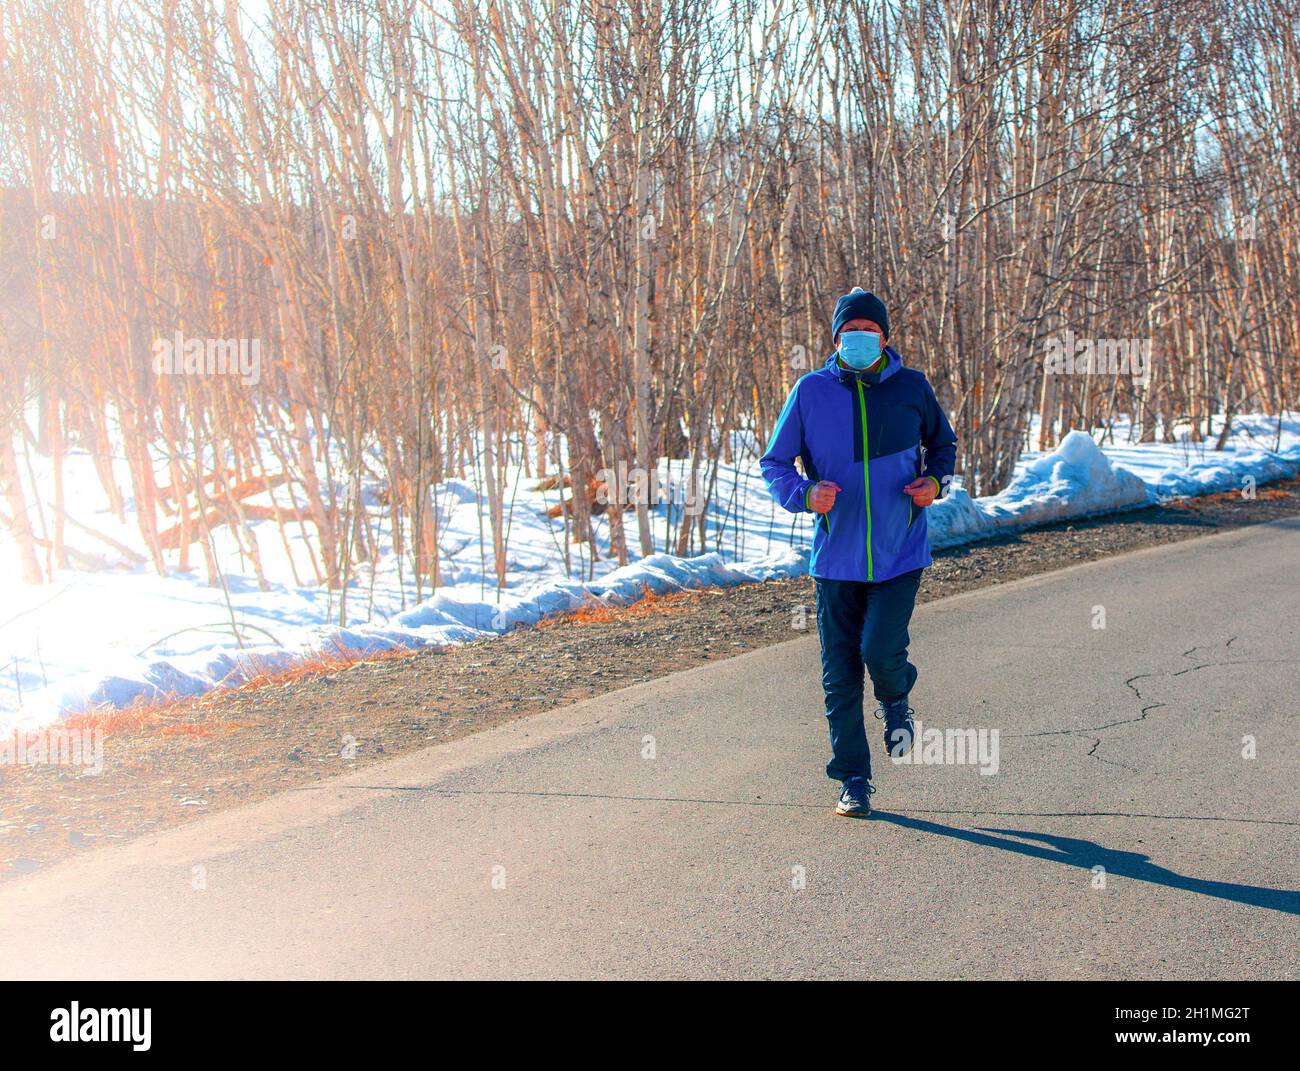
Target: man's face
x=863, y=325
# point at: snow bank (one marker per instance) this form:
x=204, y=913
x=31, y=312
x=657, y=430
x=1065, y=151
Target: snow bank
x=1074, y=480
x=1260, y=448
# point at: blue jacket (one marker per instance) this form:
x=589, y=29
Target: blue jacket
x=832, y=420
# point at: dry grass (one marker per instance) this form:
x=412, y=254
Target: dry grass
x=177, y=715
x=599, y=613
x=1200, y=502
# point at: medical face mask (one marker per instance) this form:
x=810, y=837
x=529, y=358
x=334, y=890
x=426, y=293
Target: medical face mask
x=859, y=349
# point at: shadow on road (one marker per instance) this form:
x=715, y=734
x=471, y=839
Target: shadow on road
x=1072, y=851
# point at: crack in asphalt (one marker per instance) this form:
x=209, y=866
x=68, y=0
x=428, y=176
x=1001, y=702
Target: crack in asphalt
x=1092, y=754
x=554, y=794
x=1146, y=710
x=1188, y=652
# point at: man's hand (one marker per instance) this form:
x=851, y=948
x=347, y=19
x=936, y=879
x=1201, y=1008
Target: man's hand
x=822, y=496
x=922, y=490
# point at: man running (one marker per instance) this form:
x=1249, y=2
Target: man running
x=876, y=449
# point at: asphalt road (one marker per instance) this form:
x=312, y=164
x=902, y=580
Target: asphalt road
x=683, y=827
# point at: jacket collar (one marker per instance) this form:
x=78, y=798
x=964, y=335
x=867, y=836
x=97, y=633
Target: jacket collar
x=848, y=375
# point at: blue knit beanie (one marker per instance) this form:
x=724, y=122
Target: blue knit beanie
x=859, y=304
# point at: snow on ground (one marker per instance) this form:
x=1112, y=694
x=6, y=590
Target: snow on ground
x=118, y=633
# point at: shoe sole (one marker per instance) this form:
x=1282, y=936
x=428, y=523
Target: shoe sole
x=853, y=814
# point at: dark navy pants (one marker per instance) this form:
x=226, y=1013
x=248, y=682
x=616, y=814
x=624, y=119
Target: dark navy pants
x=862, y=625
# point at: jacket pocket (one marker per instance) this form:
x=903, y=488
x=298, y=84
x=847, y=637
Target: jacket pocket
x=892, y=511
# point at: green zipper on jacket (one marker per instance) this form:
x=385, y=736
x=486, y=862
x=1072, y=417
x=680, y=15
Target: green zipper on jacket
x=866, y=470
